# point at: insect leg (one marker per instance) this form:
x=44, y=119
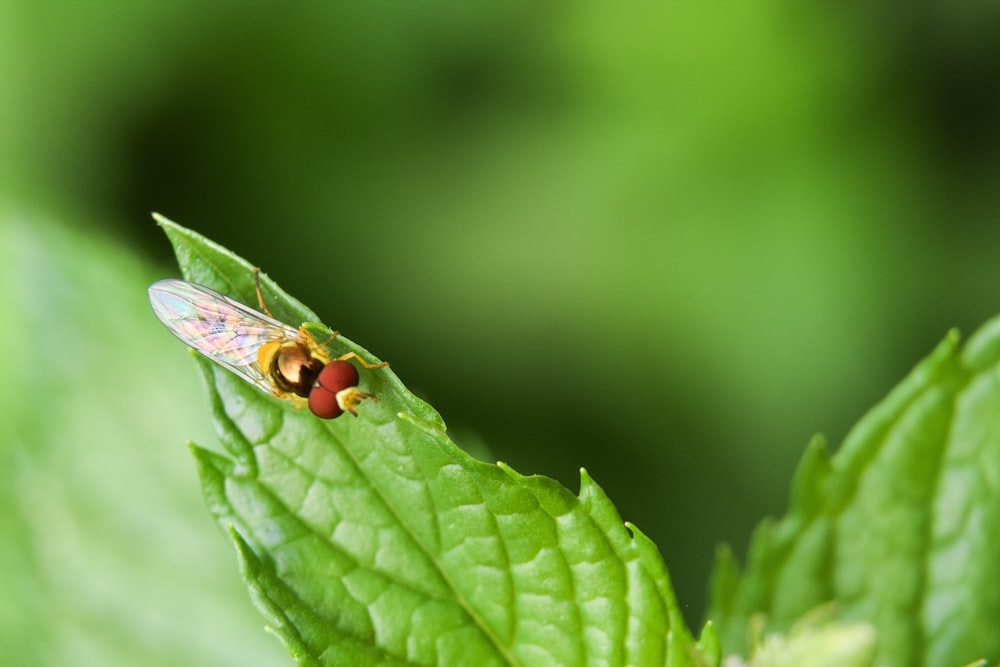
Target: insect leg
x=260, y=295
x=354, y=355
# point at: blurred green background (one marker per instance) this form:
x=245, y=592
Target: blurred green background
x=664, y=243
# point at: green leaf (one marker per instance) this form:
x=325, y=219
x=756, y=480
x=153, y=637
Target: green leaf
x=899, y=527
x=106, y=557
x=374, y=540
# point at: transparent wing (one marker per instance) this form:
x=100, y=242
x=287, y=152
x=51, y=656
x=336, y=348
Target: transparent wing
x=225, y=331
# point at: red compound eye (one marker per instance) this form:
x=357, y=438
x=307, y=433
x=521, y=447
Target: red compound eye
x=335, y=377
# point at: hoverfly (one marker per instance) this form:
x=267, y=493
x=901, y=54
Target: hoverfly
x=274, y=357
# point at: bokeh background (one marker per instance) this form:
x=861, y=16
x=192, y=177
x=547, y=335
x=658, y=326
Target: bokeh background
x=665, y=243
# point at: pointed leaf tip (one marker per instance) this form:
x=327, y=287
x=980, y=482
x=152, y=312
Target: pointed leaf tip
x=380, y=542
x=708, y=644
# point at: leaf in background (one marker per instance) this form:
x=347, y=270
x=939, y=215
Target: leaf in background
x=899, y=527
x=374, y=540
x=106, y=558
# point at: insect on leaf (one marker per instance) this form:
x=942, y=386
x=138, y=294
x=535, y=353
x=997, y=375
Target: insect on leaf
x=376, y=540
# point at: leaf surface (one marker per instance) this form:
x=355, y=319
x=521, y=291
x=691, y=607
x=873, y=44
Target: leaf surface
x=375, y=540
x=899, y=528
